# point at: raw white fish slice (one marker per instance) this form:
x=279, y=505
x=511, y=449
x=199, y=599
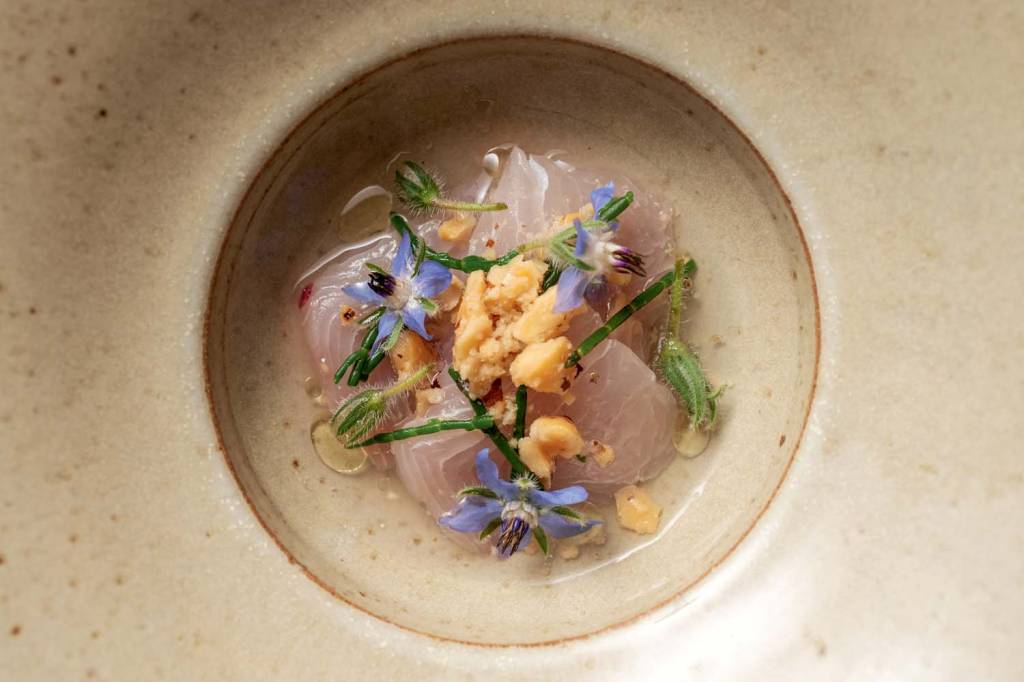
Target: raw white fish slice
x=620, y=403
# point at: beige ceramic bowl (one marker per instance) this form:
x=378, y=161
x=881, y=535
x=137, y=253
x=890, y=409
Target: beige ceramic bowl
x=847, y=176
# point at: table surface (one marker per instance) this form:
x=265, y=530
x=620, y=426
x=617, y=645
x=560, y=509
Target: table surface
x=894, y=550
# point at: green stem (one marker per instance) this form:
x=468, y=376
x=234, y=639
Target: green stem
x=466, y=264
x=452, y=205
x=613, y=208
x=410, y=381
x=616, y=320
x=356, y=358
x=480, y=423
x=496, y=436
x=520, y=428
x=369, y=364
x=684, y=268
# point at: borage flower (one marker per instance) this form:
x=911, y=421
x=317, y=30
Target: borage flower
x=594, y=256
x=405, y=293
x=517, y=508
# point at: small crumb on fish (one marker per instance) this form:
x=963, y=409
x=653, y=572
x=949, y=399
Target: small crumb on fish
x=457, y=229
x=636, y=510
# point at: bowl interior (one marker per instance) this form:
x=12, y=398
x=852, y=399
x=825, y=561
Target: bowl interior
x=753, y=321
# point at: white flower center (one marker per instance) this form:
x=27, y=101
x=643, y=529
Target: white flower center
x=403, y=292
x=520, y=509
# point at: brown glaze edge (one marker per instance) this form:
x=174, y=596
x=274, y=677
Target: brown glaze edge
x=219, y=265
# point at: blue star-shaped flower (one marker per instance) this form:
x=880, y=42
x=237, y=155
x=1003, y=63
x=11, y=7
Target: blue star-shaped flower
x=517, y=508
x=405, y=296
x=598, y=252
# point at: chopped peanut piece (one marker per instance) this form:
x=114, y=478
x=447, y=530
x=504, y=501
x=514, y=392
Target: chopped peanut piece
x=409, y=354
x=534, y=458
x=540, y=366
x=508, y=417
x=426, y=398
x=491, y=304
x=539, y=322
x=515, y=285
x=557, y=436
x=497, y=410
x=637, y=511
x=550, y=438
x=602, y=453
x=585, y=213
x=456, y=229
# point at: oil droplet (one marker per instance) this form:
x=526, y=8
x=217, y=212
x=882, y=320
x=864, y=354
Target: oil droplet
x=333, y=453
x=689, y=442
x=491, y=163
x=313, y=388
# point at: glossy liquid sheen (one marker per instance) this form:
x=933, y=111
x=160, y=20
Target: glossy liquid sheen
x=365, y=213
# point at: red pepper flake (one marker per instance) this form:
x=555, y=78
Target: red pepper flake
x=307, y=291
x=490, y=243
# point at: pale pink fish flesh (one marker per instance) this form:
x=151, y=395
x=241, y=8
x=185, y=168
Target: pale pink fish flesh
x=617, y=399
x=620, y=403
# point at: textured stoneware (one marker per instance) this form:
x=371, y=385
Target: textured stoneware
x=862, y=235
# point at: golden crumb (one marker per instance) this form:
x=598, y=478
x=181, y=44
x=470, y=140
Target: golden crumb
x=409, y=354
x=426, y=398
x=602, y=453
x=457, y=229
x=539, y=322
x=637, y=511
x=550, y=438
x=533, y=457
x=491, y=304
x=558, y=436
x=541, y=366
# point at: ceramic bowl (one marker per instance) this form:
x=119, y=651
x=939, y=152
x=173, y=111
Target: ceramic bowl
x=846, y=185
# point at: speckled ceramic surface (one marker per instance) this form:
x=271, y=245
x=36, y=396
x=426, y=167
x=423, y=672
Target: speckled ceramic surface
x=133, y=134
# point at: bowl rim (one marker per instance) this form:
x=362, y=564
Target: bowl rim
x=221, y=267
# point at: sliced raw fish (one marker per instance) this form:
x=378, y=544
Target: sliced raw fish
x=620, y=403
x=630, y=332
x=435, y=467
x=522, y=185
x=328, y=340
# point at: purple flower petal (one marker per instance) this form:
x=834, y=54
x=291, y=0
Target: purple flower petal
x=596, y=292
x=583, y=238
x=601, y=196
x=471, y=515
x=385, y=326
x=523, y=544
x=401, y=266
x=415, y=319
x=558, y=526
x=432, y=279
x=571, y=285
x=363, y=293
x=487, y=472
x=552, y=498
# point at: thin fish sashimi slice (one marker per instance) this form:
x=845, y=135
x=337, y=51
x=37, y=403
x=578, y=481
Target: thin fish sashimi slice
x=620, y=403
